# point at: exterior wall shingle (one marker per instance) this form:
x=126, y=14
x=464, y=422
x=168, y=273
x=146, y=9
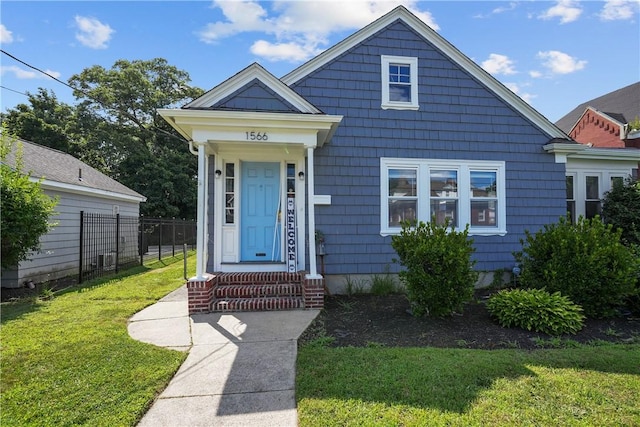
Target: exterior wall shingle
x=458, y=118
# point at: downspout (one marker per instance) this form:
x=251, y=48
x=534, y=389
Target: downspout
x=313, y=270
x=191, y=149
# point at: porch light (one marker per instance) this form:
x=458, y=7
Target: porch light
x=218, y=173
x=301, y=175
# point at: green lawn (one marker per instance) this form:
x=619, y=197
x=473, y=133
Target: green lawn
x=70, y=360
x=584, y=386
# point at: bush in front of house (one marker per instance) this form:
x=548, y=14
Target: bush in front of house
x=621, y=208
x=584, y=261
x=438, y=275
x=536, y=310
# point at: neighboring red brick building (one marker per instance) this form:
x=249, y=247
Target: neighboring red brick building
x=605, y=121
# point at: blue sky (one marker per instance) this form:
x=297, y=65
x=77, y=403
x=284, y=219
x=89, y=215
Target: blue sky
x=553, y=54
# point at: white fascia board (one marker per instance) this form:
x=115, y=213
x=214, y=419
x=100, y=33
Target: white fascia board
x=254, y=71
x=618, y=154
x=562, y=150
x=93, y=192
x=203, y=122
x=440, y=43
x=169, y=115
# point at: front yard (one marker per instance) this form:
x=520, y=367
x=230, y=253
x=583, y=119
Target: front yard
x=377, y=386
x=70, y=361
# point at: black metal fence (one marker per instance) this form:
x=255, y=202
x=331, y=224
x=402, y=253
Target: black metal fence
x=109, y=243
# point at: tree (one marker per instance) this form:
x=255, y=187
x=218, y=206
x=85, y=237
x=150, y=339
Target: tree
x=154, y=163
x=45, y=121
x=25, y=208
x=116, y=129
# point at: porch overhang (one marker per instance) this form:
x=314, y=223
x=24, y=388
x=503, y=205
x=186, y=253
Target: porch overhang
x=563, y=151
x=220, y=128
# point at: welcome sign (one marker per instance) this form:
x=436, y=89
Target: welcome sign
x=291, y=235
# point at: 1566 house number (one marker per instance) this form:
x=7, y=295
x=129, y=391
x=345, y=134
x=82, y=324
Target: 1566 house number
x=256, y=136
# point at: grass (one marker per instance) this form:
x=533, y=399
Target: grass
x=376, y=386
x=68, y=359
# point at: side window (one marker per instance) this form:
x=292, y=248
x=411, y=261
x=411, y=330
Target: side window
x=229, y=193
x=399, y=82
x=592, y=200
x=571, y=198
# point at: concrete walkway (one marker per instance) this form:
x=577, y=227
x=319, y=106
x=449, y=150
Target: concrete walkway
x=240, y=370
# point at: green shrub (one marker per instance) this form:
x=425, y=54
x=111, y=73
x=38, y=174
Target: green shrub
x=621, y=208
x=537, y=310
x=584, y=261
x=439, y=276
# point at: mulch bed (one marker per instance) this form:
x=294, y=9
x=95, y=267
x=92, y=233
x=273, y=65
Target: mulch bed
x=369, y=320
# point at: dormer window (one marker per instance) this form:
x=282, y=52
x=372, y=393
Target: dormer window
x=399, y=82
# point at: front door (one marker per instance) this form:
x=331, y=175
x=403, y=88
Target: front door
x=259, y=217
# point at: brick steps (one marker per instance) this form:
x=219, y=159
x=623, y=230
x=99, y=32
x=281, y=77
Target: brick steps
x=258, y=304
x=264, y=291
x=223, y=291
x=258, y=292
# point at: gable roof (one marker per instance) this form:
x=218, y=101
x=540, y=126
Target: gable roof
x=402, y=14
x=245, y=77
x=62, y=171
x=621, y=105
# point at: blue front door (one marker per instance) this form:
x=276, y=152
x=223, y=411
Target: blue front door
x=259, y=217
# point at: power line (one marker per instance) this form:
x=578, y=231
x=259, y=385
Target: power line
x=13, y=90
x=36, y=68
x=86, y=94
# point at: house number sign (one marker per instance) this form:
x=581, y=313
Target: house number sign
x=256, y=136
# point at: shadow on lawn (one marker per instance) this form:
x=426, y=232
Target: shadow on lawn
x=448, y=380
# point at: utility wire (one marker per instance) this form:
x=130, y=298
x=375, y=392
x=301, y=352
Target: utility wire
x=13, y=90
x=86, y=94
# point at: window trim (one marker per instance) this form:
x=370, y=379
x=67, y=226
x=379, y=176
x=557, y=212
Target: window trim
x=463, y=167
x=412, y=62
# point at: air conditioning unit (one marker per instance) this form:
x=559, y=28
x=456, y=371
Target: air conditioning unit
x=107, y=261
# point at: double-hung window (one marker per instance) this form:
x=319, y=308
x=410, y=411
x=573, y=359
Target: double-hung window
x=399, y=82
x=457, y=192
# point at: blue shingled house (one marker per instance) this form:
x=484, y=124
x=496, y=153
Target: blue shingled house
x=304, y=179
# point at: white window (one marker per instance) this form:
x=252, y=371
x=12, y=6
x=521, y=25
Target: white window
x=571, y=196
x=460, y=191
x=229, y=193
x=587, y=188
x=399, y=82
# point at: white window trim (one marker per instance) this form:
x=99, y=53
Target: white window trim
x=412, y=62
x=463, y=167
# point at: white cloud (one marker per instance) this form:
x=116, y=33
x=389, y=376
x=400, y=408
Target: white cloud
x=282, y=51
x=560, y=63
x=515, y=88
x=23, y=74
x=93, y=33
x=566, y=10
x=535, y=74
x=498, y=10
x=6, y=36
x=498, y=64
x=614, y=10
x=299, y=29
